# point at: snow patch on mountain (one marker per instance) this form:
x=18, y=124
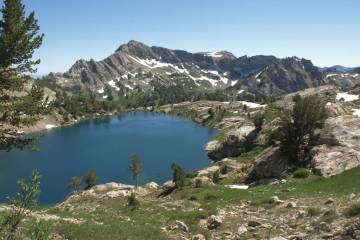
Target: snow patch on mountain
x=214, y=54
x=233, y=83
x=50, y=126
x=356, y=112
x=151, y=63
x=252, y=105
x=331, y=75
x=129, y=87
x=113, y=85
x=347, y=97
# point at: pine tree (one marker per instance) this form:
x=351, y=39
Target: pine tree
x=178, y=176
x=20, y=103
x=136, y=168
x=298, y=126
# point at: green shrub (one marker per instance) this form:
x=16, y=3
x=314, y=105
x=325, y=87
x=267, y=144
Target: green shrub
x=132, y=201
x=258, y=120
x=353, y=210
x=74, y=184
x=301, y=173
x=179, y=176
x=198, y=183
x=216, y=176
x=25, y=200
x=314, y=211
x=40, y=230
x=224, y=169
x=210, y=197
x=193, y=198
x=329, y=216
x=90, y=179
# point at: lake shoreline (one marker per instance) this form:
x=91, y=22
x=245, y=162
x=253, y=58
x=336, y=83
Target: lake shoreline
x=180, y=133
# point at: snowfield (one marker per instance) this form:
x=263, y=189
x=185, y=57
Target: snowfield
x=100, y=91
x=241, y=187
x=214, y=54
x=233, y=83
x=252, y=105
x=249, y=104
x=129, y=87
x=347, y=97
x=50, y=126
x=331, y=75
x=113, y=85
x=356, y=112
x=153, y=63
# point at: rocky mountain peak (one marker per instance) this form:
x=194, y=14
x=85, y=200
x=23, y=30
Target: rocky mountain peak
x=137, y=65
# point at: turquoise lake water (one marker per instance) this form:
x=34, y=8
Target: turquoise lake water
x=106, y=146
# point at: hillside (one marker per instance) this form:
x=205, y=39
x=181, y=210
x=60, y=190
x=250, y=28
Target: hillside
x=257, y=194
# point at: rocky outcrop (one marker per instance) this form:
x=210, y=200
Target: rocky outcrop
x=271, y=164
x=339, y=146
x=237, y=141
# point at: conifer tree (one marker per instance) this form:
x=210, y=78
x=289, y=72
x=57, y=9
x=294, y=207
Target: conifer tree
x=298, y=128
x=21, y=101
x=136, y=168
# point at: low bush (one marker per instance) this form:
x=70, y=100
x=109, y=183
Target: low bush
x=210, y=196
x=329, y=216
x=224, y=169
x=314, y=211
x=301, y=173
x=216, y=177
x=353, y=210
x=198, y=183
x=132, y=201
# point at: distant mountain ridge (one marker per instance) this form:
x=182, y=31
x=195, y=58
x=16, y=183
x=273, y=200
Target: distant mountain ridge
x=137, y=67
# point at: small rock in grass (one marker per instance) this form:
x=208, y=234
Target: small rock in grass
x=168, y=185
x=291, y=205
x=352, y=196
x=152, y=185
x=301, y=214
x=213, y=222
x=278, y=238
x=181, y=225
x=242, y=229
x=266, y=225
x=276, y=200
x=329, y=201
x=254, y=223
x=198, y=237
x=202, y=224
x=323, y=227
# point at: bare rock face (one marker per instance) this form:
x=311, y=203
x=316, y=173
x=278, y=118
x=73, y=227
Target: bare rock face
x=234, y=144
x=168, y=185
x=208, y=171
x=213, y=222
x=152, y=185
x=204, y=180
x=271, y=164
x=339, y=146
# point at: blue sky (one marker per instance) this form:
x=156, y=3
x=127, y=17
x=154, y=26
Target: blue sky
x=325, y=31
